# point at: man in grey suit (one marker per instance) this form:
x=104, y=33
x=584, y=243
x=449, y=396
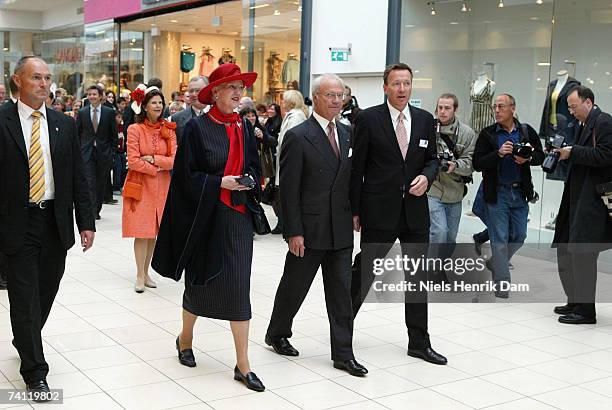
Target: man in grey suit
x=315, y=175
x=194, y=106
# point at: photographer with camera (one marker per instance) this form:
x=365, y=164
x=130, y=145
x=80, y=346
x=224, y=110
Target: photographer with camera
x=350, y=107
x=584, y=225
x=455, y=143
x=504, y=153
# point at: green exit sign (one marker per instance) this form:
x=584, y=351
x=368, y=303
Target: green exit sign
x=339, y=56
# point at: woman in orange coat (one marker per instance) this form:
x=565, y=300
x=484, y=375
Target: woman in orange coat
x=151, y=149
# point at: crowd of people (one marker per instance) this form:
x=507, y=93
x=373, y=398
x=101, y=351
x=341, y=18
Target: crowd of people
x=197, y=170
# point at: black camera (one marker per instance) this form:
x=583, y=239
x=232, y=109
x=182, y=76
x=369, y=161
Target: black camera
x=521, y=149
x=444, y=159
x=552, y=158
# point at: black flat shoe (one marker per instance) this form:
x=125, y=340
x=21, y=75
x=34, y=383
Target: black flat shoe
x=185, y=356
x=352, y=367
x=577, y=319
x=39, y=390
x=565, y=309
x=429, y=355
x=276, y=231
x=251, y=380
x=282, y=346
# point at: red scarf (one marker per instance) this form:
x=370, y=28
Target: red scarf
x=235, y=159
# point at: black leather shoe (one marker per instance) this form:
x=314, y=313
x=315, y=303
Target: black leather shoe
x=40, y=390
x=98, y=217
x=352, y=367
x=565, y=309
x=502, y=294
x=276, y=231
x=428, y=354
x=577, y=319
x=250, y=380
x=3, y=283
x=477, y=246
x=14, y=344
x=111, y=202
x=282, y=346
x=185, y=356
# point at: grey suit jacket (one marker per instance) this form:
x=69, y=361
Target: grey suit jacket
x=181, y=119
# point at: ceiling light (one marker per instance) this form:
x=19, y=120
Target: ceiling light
x=454, y=23
x=5, y=49
x=533, y=18
x=409, y=25
x=539, y=1
x=255, y=25
x=259, y=6
x=433, y=9
x=300, y=9
x=464, y=7
x=545, y=64
x=277, y=12
x=501, y=4
x=173, y=21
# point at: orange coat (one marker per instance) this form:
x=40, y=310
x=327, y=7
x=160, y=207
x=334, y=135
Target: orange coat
x=141, y=219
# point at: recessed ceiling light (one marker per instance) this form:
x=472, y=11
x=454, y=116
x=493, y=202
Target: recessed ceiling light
x=255, y=25
x=454, y=23
x=173, y=21
x=501, y=4
x=534, y=18
x=539, y=1
x=277, y=12
x=544, y=64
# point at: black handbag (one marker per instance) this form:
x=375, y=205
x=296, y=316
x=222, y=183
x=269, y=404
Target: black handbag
x=260, y=222
x=267, y=195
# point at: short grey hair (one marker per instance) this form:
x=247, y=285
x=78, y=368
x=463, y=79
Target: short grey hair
x=316, y=83
x=198, y=78
x=23, y=61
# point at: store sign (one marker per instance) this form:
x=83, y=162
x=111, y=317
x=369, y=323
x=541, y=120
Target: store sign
x=69, y=55
x=339, y=56
x=416, y=102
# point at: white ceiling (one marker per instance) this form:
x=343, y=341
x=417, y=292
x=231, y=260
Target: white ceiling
x=33, y=5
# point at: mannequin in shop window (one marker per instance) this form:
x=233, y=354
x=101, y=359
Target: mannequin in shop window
x=207, y=62
x=275, y=65
x=481, y=97
x=291, y=69
x=227, y=57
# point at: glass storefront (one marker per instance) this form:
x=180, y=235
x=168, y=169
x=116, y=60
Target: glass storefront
x=476, y=50
x=257, y=35
x=62, y=49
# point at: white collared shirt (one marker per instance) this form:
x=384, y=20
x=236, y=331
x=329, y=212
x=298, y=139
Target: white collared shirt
x=324, y=123
x=407, y=118
x=91, y=111
x=27, y=121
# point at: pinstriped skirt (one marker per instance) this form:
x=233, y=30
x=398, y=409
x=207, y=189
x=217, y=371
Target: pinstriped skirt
x=226, y=297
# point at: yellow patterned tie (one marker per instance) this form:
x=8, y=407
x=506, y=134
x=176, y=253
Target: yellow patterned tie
x=36, y=162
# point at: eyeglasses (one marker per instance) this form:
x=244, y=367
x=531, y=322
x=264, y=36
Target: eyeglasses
x=234, y=87
x=333, y=96
x=500, y=106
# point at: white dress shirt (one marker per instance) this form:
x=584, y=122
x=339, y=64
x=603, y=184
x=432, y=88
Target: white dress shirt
x=407, y=118
x=27, y=121
x=324, y=123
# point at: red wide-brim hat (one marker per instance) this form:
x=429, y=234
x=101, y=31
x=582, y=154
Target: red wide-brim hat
x=225, y=73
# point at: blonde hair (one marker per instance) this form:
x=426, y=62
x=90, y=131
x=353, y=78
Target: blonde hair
x=295, y=99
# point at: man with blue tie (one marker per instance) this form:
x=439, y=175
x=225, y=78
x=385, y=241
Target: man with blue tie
x=41, y=182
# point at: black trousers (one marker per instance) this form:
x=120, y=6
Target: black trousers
x=578, y=273
x=34, y=275
x=415, y=311
x=97, y=172
x=276, y=205
x=297, y=278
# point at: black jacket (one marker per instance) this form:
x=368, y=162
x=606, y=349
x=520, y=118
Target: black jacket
x=315, y=197
x=71, y=188
x=487, y=161
x=381, y=175
x=181, y=119
x=106, y=137
x=583, y=219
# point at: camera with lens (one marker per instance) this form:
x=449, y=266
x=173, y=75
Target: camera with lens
x=444, y=159
x=552, y=158
x=522, y=149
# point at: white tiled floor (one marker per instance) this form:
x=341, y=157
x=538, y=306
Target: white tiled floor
x=109, y=347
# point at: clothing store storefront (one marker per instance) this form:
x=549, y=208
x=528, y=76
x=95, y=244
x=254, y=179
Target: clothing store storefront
x=533, y=50
x=188, y=38
x=63, y=49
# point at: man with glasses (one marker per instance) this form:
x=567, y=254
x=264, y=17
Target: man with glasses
x=194, y=106
x=394, y=164
x=504, y=153
x=583, y=226
x=315, y=166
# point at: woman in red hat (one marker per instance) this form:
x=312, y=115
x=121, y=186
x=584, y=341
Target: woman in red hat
x=207, y=229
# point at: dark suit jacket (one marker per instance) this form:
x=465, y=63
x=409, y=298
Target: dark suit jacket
x=381, y=175
x=181, y=118
x=315, y=198
x=106, y=137
x=583, y=219
x=71, y=188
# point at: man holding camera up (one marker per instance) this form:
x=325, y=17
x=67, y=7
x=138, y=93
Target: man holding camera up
x=504, y=153
x=583, y=225
x=455, y=143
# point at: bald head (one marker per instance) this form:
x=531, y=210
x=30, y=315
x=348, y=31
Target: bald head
x=33, y=79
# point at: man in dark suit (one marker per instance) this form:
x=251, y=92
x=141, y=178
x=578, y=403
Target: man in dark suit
x=394, y=164
x=583, y=228
x=41, y=181
x=194, y=107
x=97, y=131
x=315, y=176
